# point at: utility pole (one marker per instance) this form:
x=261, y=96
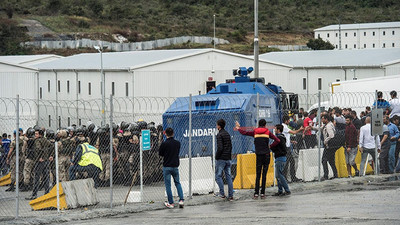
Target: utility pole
x=256, y=69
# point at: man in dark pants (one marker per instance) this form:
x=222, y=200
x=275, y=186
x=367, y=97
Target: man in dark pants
x=223, y=160
x=289, y=153
x=42, y=149
x=261, y=142
x=169, y=150
x=385, y=146
x=86, y=159
x=328, y=155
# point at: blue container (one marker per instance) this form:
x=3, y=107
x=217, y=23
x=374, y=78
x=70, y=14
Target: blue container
x=231, y=102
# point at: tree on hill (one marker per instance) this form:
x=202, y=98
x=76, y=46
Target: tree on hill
x=319, y=44
x=10, y=38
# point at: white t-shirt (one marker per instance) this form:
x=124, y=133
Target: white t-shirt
x=286, y=133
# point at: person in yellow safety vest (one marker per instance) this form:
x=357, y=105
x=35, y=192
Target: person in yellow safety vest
x=86, y=159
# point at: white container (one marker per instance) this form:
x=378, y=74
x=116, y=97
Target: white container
x=134, y=196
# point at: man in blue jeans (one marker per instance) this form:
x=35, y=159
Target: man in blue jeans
x=223, y=160
x=279, y=151
x=169, y=149
x=393, y=136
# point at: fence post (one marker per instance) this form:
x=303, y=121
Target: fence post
x=258, y=108
x=190, y=146
x=376, y=140
x=57, y=176
x=213, y=159
x=111, y=150
x=17, y=158
x=319, y=135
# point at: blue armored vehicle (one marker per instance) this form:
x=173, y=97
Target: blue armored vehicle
x=242, y=99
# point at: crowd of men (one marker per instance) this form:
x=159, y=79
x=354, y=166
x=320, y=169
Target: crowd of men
x=341, y=127
x=37, y=154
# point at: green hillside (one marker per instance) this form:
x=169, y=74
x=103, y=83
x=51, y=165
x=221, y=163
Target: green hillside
x=153, y=19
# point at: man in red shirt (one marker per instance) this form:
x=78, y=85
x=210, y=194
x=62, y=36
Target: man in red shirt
x=307, y=135
x=350, y=151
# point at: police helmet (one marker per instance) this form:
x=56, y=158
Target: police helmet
x=142, y=125
x=36, y=128
x=124, y=125
x=91, y=127
x=79, y=131
x=30, y=133
x=159, y=128
x=50, y=134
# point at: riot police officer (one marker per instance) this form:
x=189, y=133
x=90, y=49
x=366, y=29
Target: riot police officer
x=29, y=159
x=12, y=159
x=66, y=147
x=41, y=163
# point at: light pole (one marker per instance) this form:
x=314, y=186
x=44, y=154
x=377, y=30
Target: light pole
x=256, y=69
x=214, y=31
x=103, y=86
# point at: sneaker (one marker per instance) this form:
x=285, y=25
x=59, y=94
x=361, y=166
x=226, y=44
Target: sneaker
x=11, y=188
x=230, y=199
x=278, y=194
x=181, y=204
x=262, y=196
x=32, y=197
x=357, y=173
x=169, y=206
x=286, y=193
x=255, y=196
x=220, y=196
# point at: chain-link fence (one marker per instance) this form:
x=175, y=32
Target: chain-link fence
x=53, y=136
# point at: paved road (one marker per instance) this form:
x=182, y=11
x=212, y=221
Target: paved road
x=349, y=207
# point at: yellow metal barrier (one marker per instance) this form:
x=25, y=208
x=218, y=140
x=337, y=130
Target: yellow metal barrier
x=5, y=180
x=49, y=200
x=246, y=172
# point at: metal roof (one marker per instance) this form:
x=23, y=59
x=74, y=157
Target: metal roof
x=335, y=58
x=26, y=60
x=360, y=26
x=122, y=60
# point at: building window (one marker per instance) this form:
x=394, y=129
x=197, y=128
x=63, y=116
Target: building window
x=373, y=45
x=327, y=35
x=393, y=45
x=384, y=33
x=90, y=88
x=345, y=34
x=319, y=84
x=345, y=46
x=67, y=86
x=79, y=87
x=373, y=33
x=336, y=34
x=59, y=121
x=365, y=33
x=59, y=86
x=69, y=121
x=304, y=83
x=113, y=88
x=319, y=35
x=48, y=85
x=392, y=32
x=384, y=45
x=49, y=121
x=337, y=80
x=336, y=46
x=355, y=34
x=40, y=92
x=80, y=122
x=355, y=46
x=365, y=45
x=126, y=89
